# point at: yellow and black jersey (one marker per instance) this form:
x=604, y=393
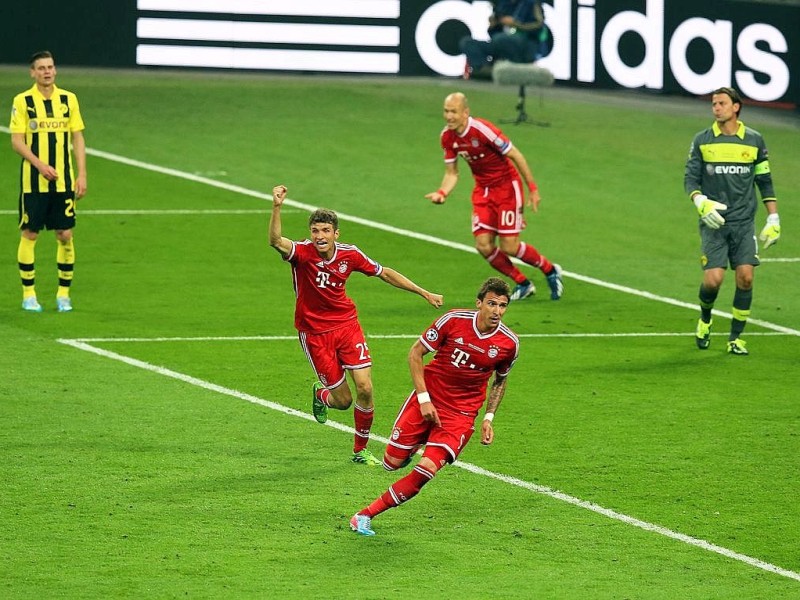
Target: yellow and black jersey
x=48, y=125
x=727, y=168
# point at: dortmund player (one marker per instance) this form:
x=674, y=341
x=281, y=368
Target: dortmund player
x=726, y=163
x=47, y=132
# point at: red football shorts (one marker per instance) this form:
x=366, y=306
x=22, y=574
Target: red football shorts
x=333, y=352
x=411, y=430
x=498, y=209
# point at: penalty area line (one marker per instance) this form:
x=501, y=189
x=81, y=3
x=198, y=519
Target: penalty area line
x=539, y=489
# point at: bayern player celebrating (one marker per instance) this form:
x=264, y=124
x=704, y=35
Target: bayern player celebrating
x=498, y=199
x=326, y=319
x=448, y=393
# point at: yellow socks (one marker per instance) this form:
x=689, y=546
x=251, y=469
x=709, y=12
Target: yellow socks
x=25, y=258
x=65, y=257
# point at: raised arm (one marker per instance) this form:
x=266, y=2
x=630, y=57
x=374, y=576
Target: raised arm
x=399, y=280
x=276, y=239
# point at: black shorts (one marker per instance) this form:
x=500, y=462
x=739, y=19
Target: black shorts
x=48, y=210
x=732, y=244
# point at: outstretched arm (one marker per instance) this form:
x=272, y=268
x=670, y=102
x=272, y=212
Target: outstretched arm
x=448, y=184
x=496, y=393
x=525, y=172
x=276, y=239
x=399, y=280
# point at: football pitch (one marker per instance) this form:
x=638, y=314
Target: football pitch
x=157, y=442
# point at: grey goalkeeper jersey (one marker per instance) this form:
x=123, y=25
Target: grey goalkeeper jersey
x=726, y=168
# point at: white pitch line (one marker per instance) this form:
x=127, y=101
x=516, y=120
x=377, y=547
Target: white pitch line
x=264, y=211
x=393, y=336
x=539, y=489
x=168, y=211
x=612, y=514
x=415, y=235
x=407, y=233
x=779, y=260
x=175, y=211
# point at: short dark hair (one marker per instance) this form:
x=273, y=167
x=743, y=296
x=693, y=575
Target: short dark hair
x=496, y=286
x=732, y=94
x=324, y=215
x=39, y=55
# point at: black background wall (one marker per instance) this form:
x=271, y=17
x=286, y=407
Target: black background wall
x=103, y=33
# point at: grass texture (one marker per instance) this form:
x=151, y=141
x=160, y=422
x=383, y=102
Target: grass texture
x=171, y=453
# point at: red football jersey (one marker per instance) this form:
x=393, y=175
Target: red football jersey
x=322, y=304
x=484, y=147
x=465, y=359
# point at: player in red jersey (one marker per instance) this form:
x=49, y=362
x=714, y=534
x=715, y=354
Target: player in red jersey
x=326, y=319
x=498, y=198
x=448, y=393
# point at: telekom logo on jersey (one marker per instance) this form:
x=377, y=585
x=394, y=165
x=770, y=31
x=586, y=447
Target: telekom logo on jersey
x=459, y=357
x=323, y=279
x=758, y=46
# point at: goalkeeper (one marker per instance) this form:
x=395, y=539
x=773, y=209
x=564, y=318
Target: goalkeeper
x=726, y=162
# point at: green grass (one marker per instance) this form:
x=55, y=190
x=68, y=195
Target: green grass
x=119, y=481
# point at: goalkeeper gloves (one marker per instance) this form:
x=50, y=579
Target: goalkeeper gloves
x=707, y=209
x=772, y=231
